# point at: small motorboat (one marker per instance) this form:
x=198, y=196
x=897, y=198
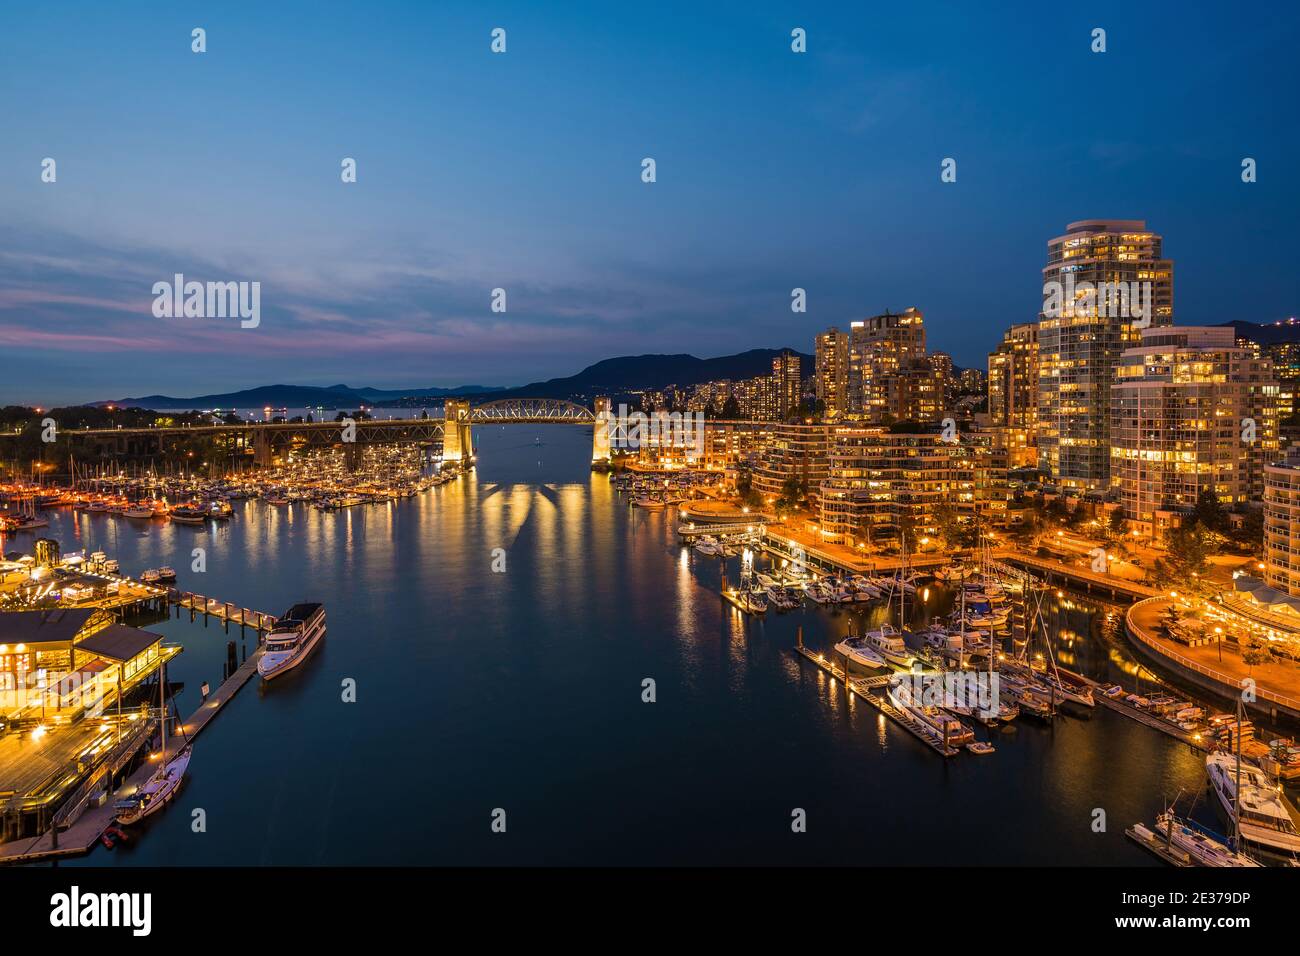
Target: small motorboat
x=980, y=747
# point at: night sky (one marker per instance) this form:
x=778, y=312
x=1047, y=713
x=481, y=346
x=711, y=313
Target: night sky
x=522, y=171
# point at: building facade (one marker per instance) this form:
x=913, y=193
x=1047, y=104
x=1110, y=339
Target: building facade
x=1282, y=523
x=792, y=451
x=879, y=349
x=1013, y=394
x=1104, y=280
x=787, y=384
x=1190, y=412
x=831, y=376
x=879, y=483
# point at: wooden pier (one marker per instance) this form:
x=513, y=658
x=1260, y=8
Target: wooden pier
x=862, y=687
x=223, y=611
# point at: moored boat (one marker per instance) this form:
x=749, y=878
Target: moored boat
x=1265, y=824
x=858, y=650
x=292, y=638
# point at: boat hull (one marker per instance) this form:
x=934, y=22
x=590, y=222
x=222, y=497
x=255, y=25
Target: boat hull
x=271, y=666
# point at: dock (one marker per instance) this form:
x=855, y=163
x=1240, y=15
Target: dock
x=862, y=687
x=1170, y=854
x=79, y=825
x=1197, y=741
x=223, y=611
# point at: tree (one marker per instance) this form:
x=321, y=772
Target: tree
x=1251, y=533
x=730, y=408
x=951, y=530
x=1256, y=652
x=744, y=478
x=793, y=491
x=1116, y=525
x=1188, y=548
x=1210, y=514
x=907, y=530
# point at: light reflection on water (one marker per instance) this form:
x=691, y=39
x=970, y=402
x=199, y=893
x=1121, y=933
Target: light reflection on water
x=522, y=690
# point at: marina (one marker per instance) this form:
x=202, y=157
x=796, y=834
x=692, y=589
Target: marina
x=809, y=603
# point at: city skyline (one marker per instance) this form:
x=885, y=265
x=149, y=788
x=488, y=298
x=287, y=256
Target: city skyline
x=768, y=179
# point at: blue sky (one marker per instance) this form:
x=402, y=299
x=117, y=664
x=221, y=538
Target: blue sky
x=522, y=171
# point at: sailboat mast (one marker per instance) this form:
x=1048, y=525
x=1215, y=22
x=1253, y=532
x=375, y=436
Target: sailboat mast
x=162, y=702
x=1236, y=797
x=902, y=595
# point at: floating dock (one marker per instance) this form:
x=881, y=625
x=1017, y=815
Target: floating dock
x=1151, y=841
x=862, y=687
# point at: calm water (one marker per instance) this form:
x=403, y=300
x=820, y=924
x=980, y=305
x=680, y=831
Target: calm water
x=522, y=690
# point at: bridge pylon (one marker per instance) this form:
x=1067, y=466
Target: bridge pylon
x=457, y=441
x=600, y=431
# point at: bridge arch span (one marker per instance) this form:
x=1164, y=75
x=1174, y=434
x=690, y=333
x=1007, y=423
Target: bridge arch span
x=531, y=410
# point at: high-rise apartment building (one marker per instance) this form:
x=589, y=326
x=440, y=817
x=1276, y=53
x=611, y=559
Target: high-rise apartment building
x=1013, y=394
x=880, y=347
x=1282, y=523
x=832, y=373
x=788, y=386
x=1105, y=279
x=945, y=378
x=1190, y=412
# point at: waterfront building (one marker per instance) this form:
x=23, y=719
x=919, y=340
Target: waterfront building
x=1013, y=394
x=1082, y=332
x=793, y=450
x=880, y=482
x=61, y=663
x=1190, y=412
x=728, y=443
x=831, y=376
x=1282, y=523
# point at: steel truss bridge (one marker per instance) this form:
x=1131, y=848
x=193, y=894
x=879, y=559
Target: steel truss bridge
x=270, y=439
x=531, y=411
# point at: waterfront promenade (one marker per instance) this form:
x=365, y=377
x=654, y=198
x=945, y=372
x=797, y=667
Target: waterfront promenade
x=1215, y=666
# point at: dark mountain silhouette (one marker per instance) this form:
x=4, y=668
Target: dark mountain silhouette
x=613, y=376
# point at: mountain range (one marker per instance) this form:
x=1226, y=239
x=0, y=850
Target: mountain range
x=1270, y=334
x=612, y=376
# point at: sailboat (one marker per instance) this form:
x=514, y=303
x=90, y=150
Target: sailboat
x=1049, y=677
x=159, y=789
x=997, y=709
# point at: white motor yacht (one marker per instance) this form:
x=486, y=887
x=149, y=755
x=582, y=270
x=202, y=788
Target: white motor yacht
x=291, y=639
x=1265, y=823
x=858, y=650
x=889, y=642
